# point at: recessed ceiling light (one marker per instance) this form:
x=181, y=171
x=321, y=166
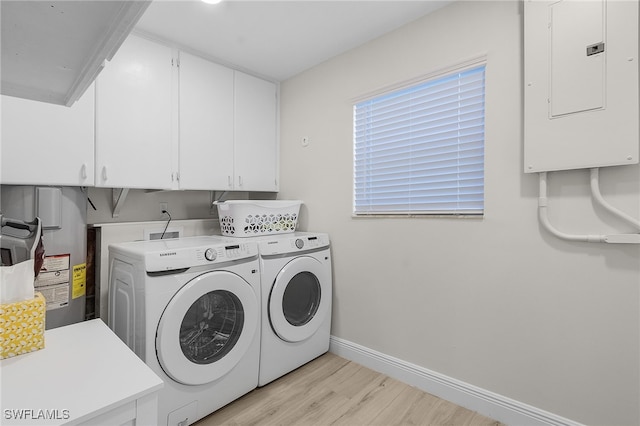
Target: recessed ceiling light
x=212, y=1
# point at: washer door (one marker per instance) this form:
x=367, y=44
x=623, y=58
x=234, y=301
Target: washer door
x=207, y=328
x=300, y=299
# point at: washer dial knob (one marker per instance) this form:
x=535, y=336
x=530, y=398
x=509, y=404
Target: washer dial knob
x=299, y=243
x=210, y=255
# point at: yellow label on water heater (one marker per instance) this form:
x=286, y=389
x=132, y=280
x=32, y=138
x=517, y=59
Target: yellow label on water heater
x=79, y=280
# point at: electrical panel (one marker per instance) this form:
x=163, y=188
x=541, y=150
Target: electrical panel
x=581, y=98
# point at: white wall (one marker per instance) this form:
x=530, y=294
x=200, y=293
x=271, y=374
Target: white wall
x=140, y=205
x=495, y=302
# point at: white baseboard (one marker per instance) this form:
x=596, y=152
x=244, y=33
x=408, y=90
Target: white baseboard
x=497, y=407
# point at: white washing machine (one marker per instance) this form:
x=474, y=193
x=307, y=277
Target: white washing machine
x=296, y=301
x=190, y=309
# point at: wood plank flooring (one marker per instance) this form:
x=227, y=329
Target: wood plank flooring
x=334, y=391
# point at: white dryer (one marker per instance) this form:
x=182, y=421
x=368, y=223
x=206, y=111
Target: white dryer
x=190, y=309
x=296, y=301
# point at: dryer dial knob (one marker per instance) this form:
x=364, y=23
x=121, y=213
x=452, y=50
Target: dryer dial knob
x=210, y=255
x=299, y=243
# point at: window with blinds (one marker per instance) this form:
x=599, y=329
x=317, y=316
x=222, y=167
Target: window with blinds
x=420, y=150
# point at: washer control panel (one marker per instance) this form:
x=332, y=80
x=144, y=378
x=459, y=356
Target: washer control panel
x=210, y=255
x=191, y=252
x=225, y=252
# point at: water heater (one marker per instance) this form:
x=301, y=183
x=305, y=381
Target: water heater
x=580, y=84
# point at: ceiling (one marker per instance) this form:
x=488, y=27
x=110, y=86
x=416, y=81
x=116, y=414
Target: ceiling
x=277, y=39
x=52, y=50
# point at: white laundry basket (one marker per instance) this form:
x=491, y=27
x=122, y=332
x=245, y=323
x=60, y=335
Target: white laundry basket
x=249, y=218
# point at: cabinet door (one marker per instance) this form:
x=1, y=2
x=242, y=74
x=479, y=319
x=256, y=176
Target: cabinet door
x=134, y=117
x=48, y=144
x=206, y=124
x=256, y=147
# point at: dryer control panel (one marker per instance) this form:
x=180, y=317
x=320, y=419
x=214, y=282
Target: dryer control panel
x=292, y=243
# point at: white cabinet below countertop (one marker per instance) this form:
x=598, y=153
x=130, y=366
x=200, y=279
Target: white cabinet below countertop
x=87, y=374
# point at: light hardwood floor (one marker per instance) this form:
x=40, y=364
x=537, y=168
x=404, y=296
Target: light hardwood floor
x=334, y=391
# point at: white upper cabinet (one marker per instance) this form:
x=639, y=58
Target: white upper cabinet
x=206, y=124
x=135, y=99
x=194, y=126
x=256, y=144
x=159, y=123
x=228, y=128
x=47, y=144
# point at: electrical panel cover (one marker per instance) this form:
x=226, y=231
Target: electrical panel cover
x=580, y=84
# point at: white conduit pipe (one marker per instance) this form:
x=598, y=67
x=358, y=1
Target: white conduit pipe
x=595, y=193
x=544, y=218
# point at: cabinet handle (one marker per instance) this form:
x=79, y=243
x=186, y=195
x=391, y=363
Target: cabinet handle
x=229, y=181
x=104, y=173
x=83, y=171
x=239, y=180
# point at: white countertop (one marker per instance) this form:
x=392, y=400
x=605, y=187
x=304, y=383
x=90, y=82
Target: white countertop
x=84, y=370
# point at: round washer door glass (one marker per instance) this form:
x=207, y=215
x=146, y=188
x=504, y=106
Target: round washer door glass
x=300, y=299
x=211, y=327
x=207, y=327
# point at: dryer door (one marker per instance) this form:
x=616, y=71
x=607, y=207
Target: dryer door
x=207, y=328
x=300, y=299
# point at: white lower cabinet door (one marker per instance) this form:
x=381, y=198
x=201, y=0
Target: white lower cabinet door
x=206, y=124
x=135, y=110
x=123, y=415
x=47, y=144
x=255, y=124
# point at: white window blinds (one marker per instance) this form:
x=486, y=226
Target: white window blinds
x=420, y=150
